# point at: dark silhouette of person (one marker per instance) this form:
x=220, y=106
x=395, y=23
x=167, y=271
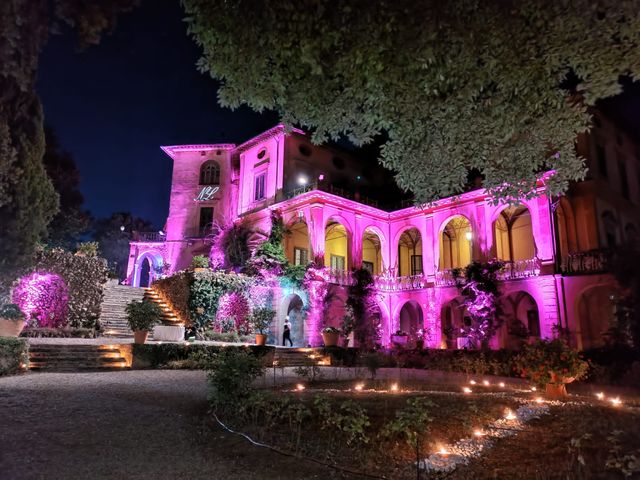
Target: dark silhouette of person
x=286, y=334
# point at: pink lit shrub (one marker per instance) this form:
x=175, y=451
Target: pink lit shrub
x=234, y=306
x=44, y=299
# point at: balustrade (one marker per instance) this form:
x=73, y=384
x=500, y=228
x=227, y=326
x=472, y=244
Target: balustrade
x=592, y=261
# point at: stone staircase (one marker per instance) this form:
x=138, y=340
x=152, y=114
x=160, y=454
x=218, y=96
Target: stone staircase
x=299, y=357
x=76, y=358
x=168, y=317
x=113, y=318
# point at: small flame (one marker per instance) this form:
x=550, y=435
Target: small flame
x=472, y=382
x=533, y=389
x=486, y=383
x=509, y=415
x=300, y=387
x=443, y=451
x=394, y=387
x=600, y=395
x=466, y=390
x=501, y=384
x=359, y=387
x=616, y=401
x=478, y=433
x=539, y=400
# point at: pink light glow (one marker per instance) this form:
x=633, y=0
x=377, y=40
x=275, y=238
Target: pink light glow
x=43, y=298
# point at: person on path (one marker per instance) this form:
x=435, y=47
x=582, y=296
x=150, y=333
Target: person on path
x=286, y=334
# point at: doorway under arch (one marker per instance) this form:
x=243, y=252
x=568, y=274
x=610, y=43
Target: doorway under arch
x=146, y=269
x=595, y=312
x=453, y=317
x=521, y=320
x=410, y=319
x=292, y=308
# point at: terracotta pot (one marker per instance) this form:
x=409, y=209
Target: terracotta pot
x=140, y=336
x=330, y=339
x=200, y=269
x=11, y=328
x=556, y=390
x=261, y=339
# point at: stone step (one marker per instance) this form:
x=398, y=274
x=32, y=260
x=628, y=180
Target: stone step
x=70, y=358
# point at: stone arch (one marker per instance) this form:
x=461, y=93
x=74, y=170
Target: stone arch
x=373, y=247
x=455, y=237
x=150, y=259
x=452, y=319
x=297, y=242
x=595, y=314
x=292, y=307
x=565, y=222
x=409, y=244
x=338, y=236
x=513, y=234
x=521, y=319
x=410, y=319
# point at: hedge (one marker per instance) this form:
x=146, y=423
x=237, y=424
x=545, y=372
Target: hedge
x=153, y=355
x=14, y=352
x=175, y=291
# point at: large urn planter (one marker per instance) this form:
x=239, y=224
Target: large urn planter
x=10, y=327
x=140, y=336
x=261, y=339
x=400, y=340
x=330, y=339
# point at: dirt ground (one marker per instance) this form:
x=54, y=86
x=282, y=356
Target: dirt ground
x=133, y=425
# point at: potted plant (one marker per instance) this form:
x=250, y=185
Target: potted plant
x=261, y=320
x=142, y=316
x=330, y=336
x=12, y=320
x=400, y=338
x=551, y=364
x=199, y=263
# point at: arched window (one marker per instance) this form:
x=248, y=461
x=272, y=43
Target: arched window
x=210, y=173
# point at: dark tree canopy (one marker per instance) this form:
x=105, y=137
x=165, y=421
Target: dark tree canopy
x=456, y=85
x=28, y=200
x=114, y=241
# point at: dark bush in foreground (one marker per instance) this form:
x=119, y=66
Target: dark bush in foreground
x=14, y=352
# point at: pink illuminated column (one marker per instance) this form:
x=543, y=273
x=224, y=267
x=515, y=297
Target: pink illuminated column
x=316, y=227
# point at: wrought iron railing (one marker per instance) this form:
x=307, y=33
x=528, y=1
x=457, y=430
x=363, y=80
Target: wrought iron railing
x=148, y=237
x=339, y=277
x=520, y=269
x=445, y=278
x=592, y=261
x=340, y=192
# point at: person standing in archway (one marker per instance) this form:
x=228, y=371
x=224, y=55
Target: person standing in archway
x=286, y=334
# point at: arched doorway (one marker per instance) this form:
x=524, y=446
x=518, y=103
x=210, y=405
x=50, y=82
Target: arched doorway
x=410, y=253
x=513, y=234
x=336, y=247
x=146, y=269
x=455, y=244
x=410, y=320
x=292, y=307
x=521, y=320
x=296, y=244
x=371, y=252
x=453, y=318
x=595, y=312
x=565, y=228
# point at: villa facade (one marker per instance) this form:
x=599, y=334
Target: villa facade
x=553, y=249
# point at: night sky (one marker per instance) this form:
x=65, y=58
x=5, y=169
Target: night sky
x=113, y=105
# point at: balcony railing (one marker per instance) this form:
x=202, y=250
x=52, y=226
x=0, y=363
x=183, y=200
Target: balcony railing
x=324, y=187
x=339, y=277
x=148, y=237
x=388, y=283
x=593, y=261
x=520, y=269
x=445, y=278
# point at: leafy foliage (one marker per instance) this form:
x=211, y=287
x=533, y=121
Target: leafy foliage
x=261, y=319
x=233, y=243
x=142, y=315
x=14, y=352
x=270, y=257
x=11, y=311
x=87, y=249
x=175, y=291
x=360, y=303
x=44, y=298
x=410, y=422
x=85, y=277
x=549, y=361
x=455, y=85
x=199, y=261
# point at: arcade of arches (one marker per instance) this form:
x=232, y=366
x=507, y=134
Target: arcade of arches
x=513, y=235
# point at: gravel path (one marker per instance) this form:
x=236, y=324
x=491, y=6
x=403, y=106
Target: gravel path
x=149, y=424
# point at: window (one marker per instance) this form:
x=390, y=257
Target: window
x=300, y=256
x=210, y=173
x=368, y=266
x=337, y=262
x=416, y=264
x=601, y=158
x=533, y=323
x=259, y=186
x=262, y=153
x=206, y=218
x=624, y=181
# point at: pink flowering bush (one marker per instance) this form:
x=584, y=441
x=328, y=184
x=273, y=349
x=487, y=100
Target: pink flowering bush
x=43, y=298
x=235, y=307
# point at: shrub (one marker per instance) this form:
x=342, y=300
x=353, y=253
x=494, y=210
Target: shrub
x=64, y=332
x=175, y=291
x=44, y=299
x=11, y=311
x=87, y=249
x=142, y=315
x=330, y=330
x=549, y=361
x=373, y=361
x=410, y=422
x=262, y=318
x=233, y=337
x=234, y=306
x=231, y=373
x=14, y=355
x=199, y=261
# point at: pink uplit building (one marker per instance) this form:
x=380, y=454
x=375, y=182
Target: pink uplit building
x=554, y=273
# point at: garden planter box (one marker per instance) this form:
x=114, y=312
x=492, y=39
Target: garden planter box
x=10, y=328
x=400, y=339
x=330, y=339
x=169, y=333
